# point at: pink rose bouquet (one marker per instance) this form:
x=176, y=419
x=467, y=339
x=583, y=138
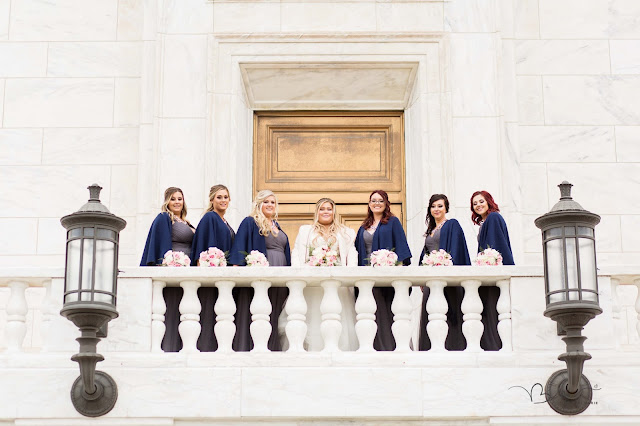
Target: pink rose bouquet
x=256, y=258
x=213, y=256
x=488, y=257
x=383, y=257
x=175, y=258
x=437, y=258
x=323, y=256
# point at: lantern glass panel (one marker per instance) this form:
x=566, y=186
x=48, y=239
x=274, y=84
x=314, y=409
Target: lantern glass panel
x=87, y=269
x=572, y=269
x=105, y=263
x=584, y=230
x=72, y=273
x=588, y=268
x=570, y=230
x=555, y=270
x=553, y=232
x=75, y=232
x=106, y=233
x=88, y=232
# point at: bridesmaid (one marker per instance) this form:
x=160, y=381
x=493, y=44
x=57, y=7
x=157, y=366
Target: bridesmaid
x=445, y=234
x=261, y=232
x=213, y=231
x=493, y=234
x=170, y=230
x=382, y=230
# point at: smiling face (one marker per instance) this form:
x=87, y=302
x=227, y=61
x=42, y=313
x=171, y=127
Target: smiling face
x=269, y=206
x=220, y=201
x=325, y=214
x=438, y=210
x=376, y=204
x=480, y=205
x=176, y=203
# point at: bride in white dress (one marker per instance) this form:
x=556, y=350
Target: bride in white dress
x=325, y=231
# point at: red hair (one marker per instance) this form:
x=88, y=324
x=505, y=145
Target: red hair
x=386, y=214
x=493, y=206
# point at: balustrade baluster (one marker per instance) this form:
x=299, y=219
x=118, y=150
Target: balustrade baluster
x=49, y=305
x=158, y=309
x=637, y=284
x=225, y=309
x=296, y=309
x=16, y=328
x=437, y=327
x=366, y=326
x=189, y=327
x=472, y=327
x=260, y=310
x=504, y=314
x=331, y=327
x=401, y=308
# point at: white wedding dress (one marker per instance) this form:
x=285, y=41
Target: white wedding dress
x=313, y=341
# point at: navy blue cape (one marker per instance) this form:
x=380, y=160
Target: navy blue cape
x=158, y=241
x=248, y=238
x=494, y=234
x=453, y=242
x=211, y=232
x=387, y=236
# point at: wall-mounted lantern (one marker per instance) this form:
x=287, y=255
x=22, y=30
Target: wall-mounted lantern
x=90, y=287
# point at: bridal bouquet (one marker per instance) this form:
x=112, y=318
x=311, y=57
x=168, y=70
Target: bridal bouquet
x=437, y=258
x=212, y=257
x=322, y=256
x=175, y=258
x=383, y=257
x=488, y=257
x=256, y=258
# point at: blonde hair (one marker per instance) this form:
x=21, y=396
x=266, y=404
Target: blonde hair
x=167, y=198
x=212, y=193
x=333, y=229
x=258, y=216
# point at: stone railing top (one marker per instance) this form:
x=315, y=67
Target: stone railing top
x=36, y=276
x=346, y=275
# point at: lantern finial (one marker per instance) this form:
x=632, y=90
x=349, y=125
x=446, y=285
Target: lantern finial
x=565, y=190
x=94, y=193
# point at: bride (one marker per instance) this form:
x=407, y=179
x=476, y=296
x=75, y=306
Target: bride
x=325, y=232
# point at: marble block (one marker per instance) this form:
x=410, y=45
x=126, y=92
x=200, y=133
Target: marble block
x=20, y=146
x=130, y=19
x=625, y=56
x=548, y=57
x=592, y=100
x=123, y=194
x=20, y=236
x=23, y=59
x=627, y=146
x=474, y=16
x=63, y=20
x=51, y=236
x=534, y=181
x=187, y=17
x=322, y=17
x=410, y=16
x=59, y=102
x=527, y=21
x=5, y=7
x=246, y=17
x=94, y=59
x=556, y=144
x=127, y=102
x=108, y=146
x=630, y=236
x=184, y=76
x=530, y=100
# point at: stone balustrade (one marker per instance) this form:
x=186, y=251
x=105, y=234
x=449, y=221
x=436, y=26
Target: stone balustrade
x=18, y=280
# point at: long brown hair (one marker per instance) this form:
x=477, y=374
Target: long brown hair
x=492, y=206
x=386, y=214
x=430, y=220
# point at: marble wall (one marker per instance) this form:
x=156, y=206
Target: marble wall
x=512, y=96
